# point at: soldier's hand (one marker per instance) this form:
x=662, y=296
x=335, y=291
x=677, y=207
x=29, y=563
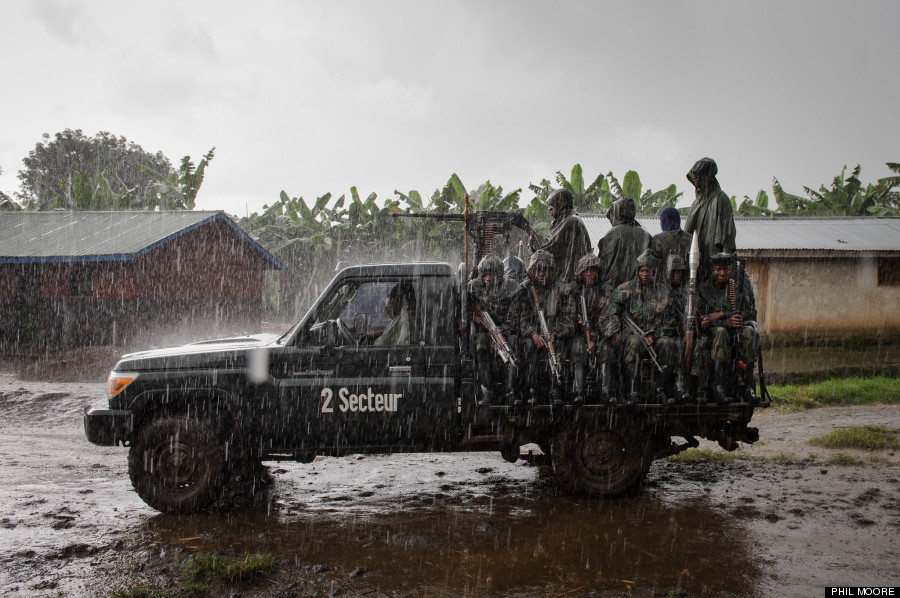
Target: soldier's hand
x=616, y=341
x=477, y=319
x=591, y=347
x=649, y=340
x=735, y=321
x=539, y=341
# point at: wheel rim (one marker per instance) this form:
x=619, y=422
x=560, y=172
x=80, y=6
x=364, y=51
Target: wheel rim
x=177, y=466
x=602, y=454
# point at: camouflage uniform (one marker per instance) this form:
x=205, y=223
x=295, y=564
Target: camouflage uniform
x=721, y=338
x=595, y=297
x=495, y=301
x=651, y=309
x=555, y=299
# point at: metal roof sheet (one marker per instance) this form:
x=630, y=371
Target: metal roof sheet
x=30, y=237
x=789, y=234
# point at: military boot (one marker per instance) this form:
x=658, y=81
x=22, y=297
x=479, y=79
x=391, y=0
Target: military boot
x=664, y=387
x=631, y=377
x=486, y=397
x=749, y=388
x=717, y=390
x=606, y=384
x=578, y=399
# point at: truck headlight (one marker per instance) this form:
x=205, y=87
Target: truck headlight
x=117, y=382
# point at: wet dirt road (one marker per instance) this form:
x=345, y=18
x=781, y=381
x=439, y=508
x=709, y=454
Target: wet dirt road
x=452, y=525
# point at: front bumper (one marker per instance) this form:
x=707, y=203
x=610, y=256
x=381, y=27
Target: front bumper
x=108, y=427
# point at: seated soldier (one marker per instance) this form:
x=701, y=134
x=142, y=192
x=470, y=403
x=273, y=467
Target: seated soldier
x=728, y=309
x=676, y=275
x=645, y=301
x=540, y=292
x=400, y=305
x=590, y=343
x=491, y=293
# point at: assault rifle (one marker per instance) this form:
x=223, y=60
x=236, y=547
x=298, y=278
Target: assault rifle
x=690, y=316
x=494, y=331
x=483, y=225
x=637, y=330
x=736, y=292
x=555, y=365
x=586, y=324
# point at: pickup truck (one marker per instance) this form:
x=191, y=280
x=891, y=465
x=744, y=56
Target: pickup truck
x=199, y=419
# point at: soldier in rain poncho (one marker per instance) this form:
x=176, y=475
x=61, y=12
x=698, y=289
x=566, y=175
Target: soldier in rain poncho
x=711, y=214
x=622, y=244
x=568, y=238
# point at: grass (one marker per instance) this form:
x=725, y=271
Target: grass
x=869, y=438
x=837, y=391
x=205, y=568
x=842, y=459
x=199, y=573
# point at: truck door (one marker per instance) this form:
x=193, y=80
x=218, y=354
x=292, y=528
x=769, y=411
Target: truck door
x=360, y=377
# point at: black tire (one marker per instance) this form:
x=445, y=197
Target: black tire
x=600, y=460
x=177, y=464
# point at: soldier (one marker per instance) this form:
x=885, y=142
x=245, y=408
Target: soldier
x=491, y=293
x=568, y=238
x=644, y=299
x=514, y=268
x=676, y=275
x=400, y=305
x=622, y=244
x=590, y=348
x=539, y=291
x=672, y=239
x=711, y=214
x=728, y=310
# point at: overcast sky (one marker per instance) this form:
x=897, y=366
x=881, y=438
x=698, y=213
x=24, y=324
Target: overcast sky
x=312, y=97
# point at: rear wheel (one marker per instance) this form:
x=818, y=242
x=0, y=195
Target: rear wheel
x=599, y=459
x=177, y=464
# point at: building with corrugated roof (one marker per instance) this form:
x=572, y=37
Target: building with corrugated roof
x=127, y=279
x=814, y=277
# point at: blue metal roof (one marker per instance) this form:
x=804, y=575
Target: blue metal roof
x=44, y=237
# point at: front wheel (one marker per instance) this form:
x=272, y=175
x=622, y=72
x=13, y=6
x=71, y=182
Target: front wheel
x=177, y=464
x=599, y=459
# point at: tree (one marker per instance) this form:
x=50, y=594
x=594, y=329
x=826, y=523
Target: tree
x=759, y=206
x=6, y=202
x=67, y=169
x=846, y=197
x=176, y=190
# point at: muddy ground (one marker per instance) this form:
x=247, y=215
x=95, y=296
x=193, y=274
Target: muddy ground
x=454, y=525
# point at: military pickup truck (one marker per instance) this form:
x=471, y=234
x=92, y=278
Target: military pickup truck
x=349, y=379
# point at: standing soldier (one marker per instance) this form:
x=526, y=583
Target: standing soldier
x=568, y=238
x=639, y=318
x=623, y=243
x=540, y=296
x=491, y=293
x=589, y=347
x=728, y=306
x=672, y=239
x=711, y=213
